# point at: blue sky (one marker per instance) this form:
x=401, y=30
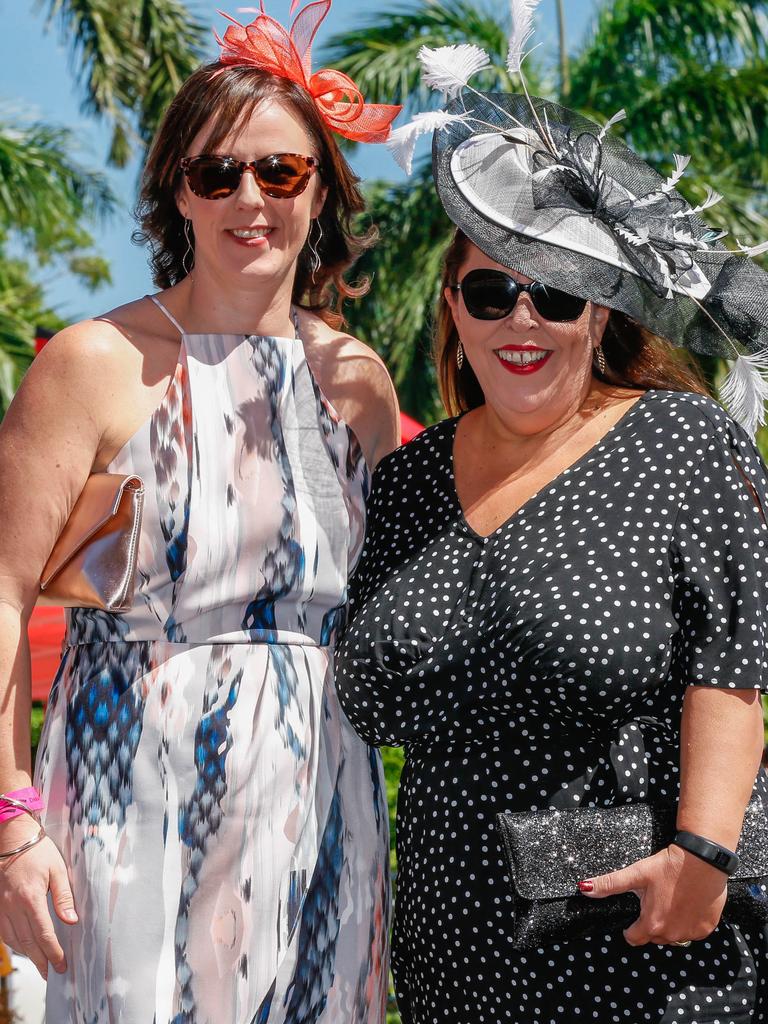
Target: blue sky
x=37, y=81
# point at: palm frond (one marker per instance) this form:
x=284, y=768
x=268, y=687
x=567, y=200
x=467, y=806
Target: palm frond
x=382, y=55
x=129, y=59
x=173, y=43
x=690, y=71
x=22, y=310
x=104, y=58
x=656, y=34
x=396, y=315
x=43, y=190
x=729, y=108
x=16, y=354
x=17, y=332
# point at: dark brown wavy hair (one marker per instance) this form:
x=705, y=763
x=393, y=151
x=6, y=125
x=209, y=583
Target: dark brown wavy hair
x=634, y=356
x=224, y=97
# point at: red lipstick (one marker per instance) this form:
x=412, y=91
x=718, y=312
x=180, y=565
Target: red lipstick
x=524, y=369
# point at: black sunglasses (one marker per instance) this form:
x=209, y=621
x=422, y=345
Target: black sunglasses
x=281, y=175
x=492, y=295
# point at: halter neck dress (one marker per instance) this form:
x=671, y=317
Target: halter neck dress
x=224, y=828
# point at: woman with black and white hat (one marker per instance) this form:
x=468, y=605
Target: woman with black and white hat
x=561, y=610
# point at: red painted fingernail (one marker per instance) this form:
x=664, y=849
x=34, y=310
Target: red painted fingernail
x=586, y=886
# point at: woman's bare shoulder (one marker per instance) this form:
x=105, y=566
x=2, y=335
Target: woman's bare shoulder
x=110, y=335
x=133, y=335
x=106, y=369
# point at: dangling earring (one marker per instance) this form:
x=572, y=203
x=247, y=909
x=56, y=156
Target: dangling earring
x=315, y=263
x=190, y=248
x=459, y=355
x=600, y=359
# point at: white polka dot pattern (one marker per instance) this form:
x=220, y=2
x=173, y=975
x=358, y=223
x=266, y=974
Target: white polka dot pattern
x=545, y=666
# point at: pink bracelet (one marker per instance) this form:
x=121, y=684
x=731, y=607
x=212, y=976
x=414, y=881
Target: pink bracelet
x=9, y=802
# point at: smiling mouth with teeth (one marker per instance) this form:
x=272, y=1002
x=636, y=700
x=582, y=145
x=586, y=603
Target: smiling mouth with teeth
x=250, y=232
x=523, y=360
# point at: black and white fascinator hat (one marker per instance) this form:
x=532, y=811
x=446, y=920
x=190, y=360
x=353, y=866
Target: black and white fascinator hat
x=553, y=195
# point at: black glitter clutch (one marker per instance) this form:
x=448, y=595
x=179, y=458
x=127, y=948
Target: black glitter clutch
x=549, y=852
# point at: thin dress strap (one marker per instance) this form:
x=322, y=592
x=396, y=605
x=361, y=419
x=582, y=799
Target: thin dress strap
x=167, y=312
x=295, y=319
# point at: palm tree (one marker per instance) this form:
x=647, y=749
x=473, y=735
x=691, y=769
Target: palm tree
x=44, y=192
x=132, y=58
x=693, y=75
x=46, y=197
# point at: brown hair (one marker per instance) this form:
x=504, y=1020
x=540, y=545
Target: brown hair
x=226, y=96
x=634, y=356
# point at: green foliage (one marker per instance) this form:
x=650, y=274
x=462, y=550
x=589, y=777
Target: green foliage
x=380, y=56
x=173, y=46
x=130, y=58
x=692, y=74
x=393, y=765
x=22, y=309
x=16, y=354
x=38, y=713
x=45, y=198
x=395, y=316
x=692, y=70
x=393, y=758
x=93, y=271
x=44, y=193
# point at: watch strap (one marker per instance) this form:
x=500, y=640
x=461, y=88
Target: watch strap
x=718, y=856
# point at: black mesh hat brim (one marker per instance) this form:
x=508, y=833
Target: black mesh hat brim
x=736, y=304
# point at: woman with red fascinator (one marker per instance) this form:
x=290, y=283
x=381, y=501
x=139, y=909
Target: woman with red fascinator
x=212, y=833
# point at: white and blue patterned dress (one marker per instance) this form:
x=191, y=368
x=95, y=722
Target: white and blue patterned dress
x=224, y=828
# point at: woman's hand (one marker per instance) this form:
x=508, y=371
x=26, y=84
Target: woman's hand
x=681, y=897
x=25, y=923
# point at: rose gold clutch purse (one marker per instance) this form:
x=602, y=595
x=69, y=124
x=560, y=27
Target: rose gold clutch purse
x=93, y=563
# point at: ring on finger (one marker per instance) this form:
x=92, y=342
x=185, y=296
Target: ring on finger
x=686, y=943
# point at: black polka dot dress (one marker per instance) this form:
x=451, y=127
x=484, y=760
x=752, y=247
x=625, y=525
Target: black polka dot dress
x=545, y=666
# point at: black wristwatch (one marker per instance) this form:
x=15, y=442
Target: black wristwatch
x=718, y=856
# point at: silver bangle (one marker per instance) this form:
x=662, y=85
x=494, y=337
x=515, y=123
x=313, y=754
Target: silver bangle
x=25, y=846
x=30, y=842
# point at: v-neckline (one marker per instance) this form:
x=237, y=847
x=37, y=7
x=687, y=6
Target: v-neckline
x=544, y=490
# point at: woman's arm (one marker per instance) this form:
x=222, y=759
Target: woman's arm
x=681, y=896
x=49, y=440
x=721, y=745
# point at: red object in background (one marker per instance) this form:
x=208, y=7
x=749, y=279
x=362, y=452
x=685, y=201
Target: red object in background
x=46, y=626
x=46, y=632
x=42, y=337
x=409, y=427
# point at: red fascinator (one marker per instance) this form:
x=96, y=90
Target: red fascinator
x=265, y=44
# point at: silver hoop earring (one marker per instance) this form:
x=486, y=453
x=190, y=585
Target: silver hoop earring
x=600, y=359
x=315, y=262
x=459, y=355
x=190, y=248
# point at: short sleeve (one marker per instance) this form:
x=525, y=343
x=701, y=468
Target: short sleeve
x=720, y=564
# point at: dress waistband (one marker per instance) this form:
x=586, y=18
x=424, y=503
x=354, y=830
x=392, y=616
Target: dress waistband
x=277, y=638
